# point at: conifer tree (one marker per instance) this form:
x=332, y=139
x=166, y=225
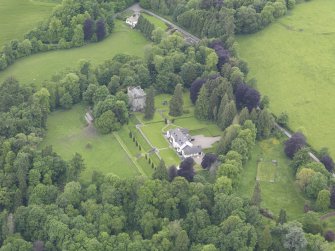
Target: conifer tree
x=223, y=104
x=265, y=241
x=264, y=124
x=332, y=197
x=176, y=102
x=149, y=110
x=244, y=115
x=282, y=216
x=228, y=115
x=256, y=198
x=202, y=105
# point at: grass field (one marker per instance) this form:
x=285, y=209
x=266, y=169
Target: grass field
x=155, y=21
x=293, y=62
x=266, y=171
x=39, y=67
x=68, y=134
x=283, y=193
x=17, y=17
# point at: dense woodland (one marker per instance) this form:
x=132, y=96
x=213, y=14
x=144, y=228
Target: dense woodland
x=45, y=206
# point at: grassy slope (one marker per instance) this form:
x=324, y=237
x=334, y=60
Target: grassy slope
x=155, y=21
x=17, y=17
x=293, y=62
x=39, y=67
x=283, y=193
x=67, y=135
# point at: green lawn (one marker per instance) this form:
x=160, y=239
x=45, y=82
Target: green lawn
x=198, y=127
x=17, y=17
x=67, y=133
x=155, y=21
x=283, y=193
x=266, y=171
x=293, y=62
x=155, y=135
x=170, y=157
x=39, y=67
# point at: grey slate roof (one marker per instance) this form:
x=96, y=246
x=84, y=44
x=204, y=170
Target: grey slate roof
x=192, y=150
x=180, y=135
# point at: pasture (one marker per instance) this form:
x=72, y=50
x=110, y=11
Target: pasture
x=39, y=67
x=293, y=62
x=17, y=17
x=283, y=192
x=114, y=153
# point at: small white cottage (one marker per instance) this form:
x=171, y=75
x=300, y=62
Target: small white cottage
x=180, y=139
x=132, y=20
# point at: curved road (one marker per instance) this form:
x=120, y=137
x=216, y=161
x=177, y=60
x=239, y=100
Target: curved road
x=188, y=36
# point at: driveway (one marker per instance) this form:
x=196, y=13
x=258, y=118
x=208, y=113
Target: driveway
x=204, y=142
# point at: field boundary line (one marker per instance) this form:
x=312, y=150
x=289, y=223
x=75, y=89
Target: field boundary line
x=124, y=147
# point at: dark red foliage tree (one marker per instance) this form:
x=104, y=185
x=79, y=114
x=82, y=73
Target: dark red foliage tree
x=328, y=162
x=186, y=169
x=195, y=89
x=294, y=144
x=197, y=84
x=332, y=197
x=208, y=160
x=246, y=96
x=330, y=236
x=88, y=29
x=100, y=29
x=222, y=53
x=172, y=172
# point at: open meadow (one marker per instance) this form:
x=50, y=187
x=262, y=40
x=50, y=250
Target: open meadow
x=25, y=14
x=278, y=187
x=294, y=64
x=41, y=66
x=68, y=134
x=116, y=153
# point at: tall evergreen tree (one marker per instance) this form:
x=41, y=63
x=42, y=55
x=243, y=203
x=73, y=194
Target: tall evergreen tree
x=176, y=102
x=223, y=104
x=256, y=198
x=282, y=216
x=228, y=115
x=264, y=124
x=149, y=110
x=265, y=240
x=202, y=108
x=244, y=115
x=332, y=197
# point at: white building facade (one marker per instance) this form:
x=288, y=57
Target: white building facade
x=181, y=142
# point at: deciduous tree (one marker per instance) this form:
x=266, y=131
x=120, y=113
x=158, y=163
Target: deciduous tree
x=295, y=143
